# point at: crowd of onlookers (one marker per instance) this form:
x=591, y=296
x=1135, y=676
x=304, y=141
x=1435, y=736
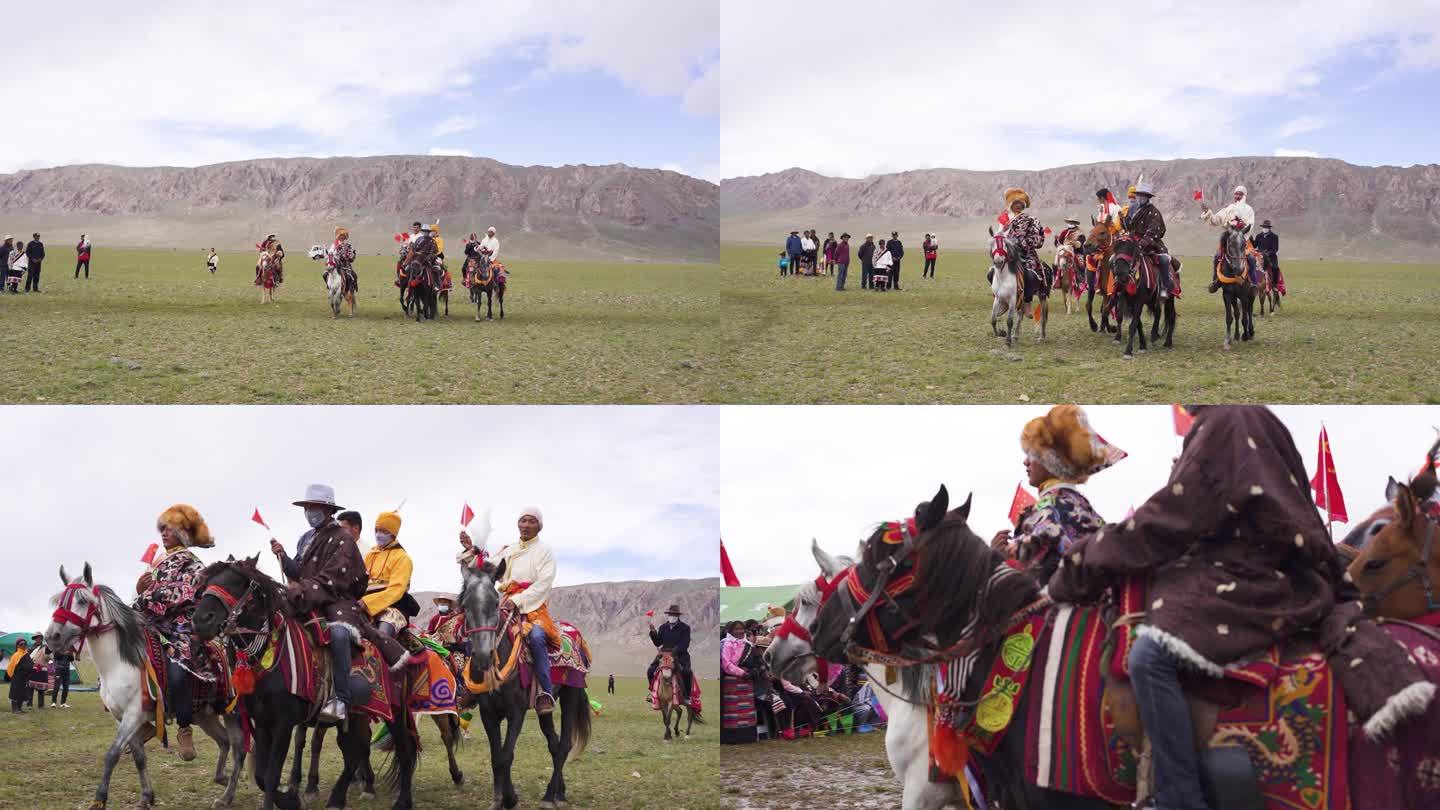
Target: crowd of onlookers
x=24, y=261
x=805, y=254
x=756, y=703
x=33, y=671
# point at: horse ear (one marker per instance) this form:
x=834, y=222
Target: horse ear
x=991, y=230
x=1391, y=489
x=829, y=566
x=500, y=570
x=64, y=579
x=89, y=579
x=930, y=514
x=1404, y=504
x=964, y=508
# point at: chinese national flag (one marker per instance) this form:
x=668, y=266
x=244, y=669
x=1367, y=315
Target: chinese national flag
x=1183, y=419
x=149, y=556
x=1003, y=219
x=727, y=571
x=466, y=515
x=256, y=517
x=1019, y=503
x=1326, y=483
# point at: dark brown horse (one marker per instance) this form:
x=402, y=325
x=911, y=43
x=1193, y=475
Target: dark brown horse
x=1137, y=286
x=487, y=280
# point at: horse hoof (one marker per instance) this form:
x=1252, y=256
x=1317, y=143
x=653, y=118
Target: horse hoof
x=1127, y=356
x=547, y=805
x=221, y=803
x=97, y=804
x=367, y=795
x=312, y=795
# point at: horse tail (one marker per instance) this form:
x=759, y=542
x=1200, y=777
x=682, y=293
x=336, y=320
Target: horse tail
x=580, y=734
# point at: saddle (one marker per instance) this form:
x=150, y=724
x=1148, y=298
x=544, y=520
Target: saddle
x=156, y=677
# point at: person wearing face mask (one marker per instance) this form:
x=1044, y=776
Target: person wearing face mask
x=1239, y=207
x=389, y=566
x=447, y=626
x=675, y=635
x=1146, y=224
x=165, y=595
x=327, y=576
x=1268, y=243
x=529, y=576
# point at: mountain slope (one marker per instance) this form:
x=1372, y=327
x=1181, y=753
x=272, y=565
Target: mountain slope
x=1321, y=208
x=615, y=213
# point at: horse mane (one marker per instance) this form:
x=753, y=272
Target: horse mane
x=1424, y=485
x=271, y=591
x=128, y=625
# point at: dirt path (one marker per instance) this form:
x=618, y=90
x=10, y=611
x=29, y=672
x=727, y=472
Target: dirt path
x=838, y=772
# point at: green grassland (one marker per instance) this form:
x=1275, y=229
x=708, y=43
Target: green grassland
x=52, y=759
x=1345, y=333
x=155, y=327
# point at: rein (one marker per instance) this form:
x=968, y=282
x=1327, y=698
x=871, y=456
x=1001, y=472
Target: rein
x=88, y=624
x=497, y=675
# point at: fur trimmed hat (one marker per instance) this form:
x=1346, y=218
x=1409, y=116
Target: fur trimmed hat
x=341, y=230
x=1064, y=442
x=1013, y=194
x=187, y=522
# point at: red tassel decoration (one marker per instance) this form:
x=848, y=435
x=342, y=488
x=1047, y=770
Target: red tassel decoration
x=947, y=749
x=243, y=678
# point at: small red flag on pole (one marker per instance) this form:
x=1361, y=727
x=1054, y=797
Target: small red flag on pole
x=727, y=571
x=149, y=556
x=1326, y=483
x=256, y=517
x=466, y=515
x=1022, y=501
x=1183, y=419
x=1199, y=195
x=650, y=613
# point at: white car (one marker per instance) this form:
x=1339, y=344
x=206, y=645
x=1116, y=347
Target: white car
x=317, y=252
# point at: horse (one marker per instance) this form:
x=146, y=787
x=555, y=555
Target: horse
x=1262, y=287
x=1067, y=276
x=667, y=695
x=86, y=611
x=340, y=288
x=486, y=279
x=1098, y=245
x=1397, y=566
x=250, y=612
x=417, y=289
x=491, y=684
x=1269, y=280
x=446, y=283
x=267, y=276
x=1234, y=277
x=1005, y=286
x=1137, y=285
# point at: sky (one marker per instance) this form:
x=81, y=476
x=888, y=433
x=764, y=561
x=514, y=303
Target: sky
x=848, y=88
x=627, y=492
x=526, y=82
x=831, y=473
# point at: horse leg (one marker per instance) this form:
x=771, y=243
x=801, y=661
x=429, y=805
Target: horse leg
x=297, y=765
x=501, y=293
x=353, y=740
x=406, y=752
x=994, y=316
x=1090, y=309
x=1170, y=317
x=235, y=743
x=559, y=750
x=147, y=790
x=274, y=769
x=449, y=734
x=317, y=741
x=489, y=304
x=1229, y=309
x=127, y=729
x=1134, y=328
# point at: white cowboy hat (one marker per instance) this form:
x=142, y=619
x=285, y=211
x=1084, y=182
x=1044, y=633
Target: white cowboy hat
x=319, y=495
x=1144, y=187
x=1072, y=221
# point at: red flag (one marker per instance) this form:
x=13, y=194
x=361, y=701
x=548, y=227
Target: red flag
x=650, y=613
x=1110, y=197
x=1020, y=503
x=727, y=571
x=256, y=517
x=149, y=555
x=1003, y=219
x=466, y=515
x=1326, y=483
x=1199, y=195
x=1183, y=419
x=1047, y=230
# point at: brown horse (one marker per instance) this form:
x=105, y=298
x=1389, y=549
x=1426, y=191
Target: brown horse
x=1398, y=567
x=667, y=689
x=1098, y=247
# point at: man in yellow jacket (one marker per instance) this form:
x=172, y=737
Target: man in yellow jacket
x=390, y=567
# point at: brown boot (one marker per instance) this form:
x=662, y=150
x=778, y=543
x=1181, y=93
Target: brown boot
x=186, y=744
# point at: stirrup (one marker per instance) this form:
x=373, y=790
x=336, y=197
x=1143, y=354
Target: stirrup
x=544, y=702
x=334, y=711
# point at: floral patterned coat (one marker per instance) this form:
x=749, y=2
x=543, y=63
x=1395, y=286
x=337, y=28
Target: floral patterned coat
x=168, y=602
x=1061, y=516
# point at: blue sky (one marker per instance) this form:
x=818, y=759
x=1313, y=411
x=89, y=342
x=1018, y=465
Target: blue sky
x=521, y=81
x=1062, y=84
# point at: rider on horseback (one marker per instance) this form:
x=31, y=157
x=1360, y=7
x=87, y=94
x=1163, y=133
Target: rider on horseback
x=327, y=576
x=1146, y=224
x=1268, y=243
x=166, y=596
x=340, y=257
x=674, y=635
x=1107, y=211
x=529, y=575
x=1238, y=561
x=1029, y=237
x=1239, y=208
x=389, y=566
x=1061, y=452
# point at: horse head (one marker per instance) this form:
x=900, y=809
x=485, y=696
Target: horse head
x=235, y=593
x=1004, y=251
x=1397, y=567
x=483, y=616
x=791, y=654
x=941, y=585
x=1124, y=259
x=79, y=610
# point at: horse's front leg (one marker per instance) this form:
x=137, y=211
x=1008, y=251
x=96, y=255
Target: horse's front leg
x=317, y=742
x=124, y=732
x=147, y=791
x=406, y=753
x=298, y=765
x=1229, y=309
x=994, y=316
x=235, y=741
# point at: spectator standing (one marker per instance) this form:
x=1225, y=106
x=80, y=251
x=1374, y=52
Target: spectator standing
x=830, y=254
x=884, y=265
x=867, y=260
x=793, y=250
x=82, y=256
x=19, y=263
x=212, y=262
x=807, y=245
x=897, y=252
x=39, y=671
x=932, y=250
x=841, y=255
x=19, y=671
x=8, y=279
x=35, y=252
x=60, y=694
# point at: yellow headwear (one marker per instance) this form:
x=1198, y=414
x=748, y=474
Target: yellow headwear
x=388, y=522
x=183, y=518
x=1011, y=195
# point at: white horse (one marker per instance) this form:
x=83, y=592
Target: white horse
x=1067, y=275
x=907, y=734
x=85, y=612
x=1005, y=286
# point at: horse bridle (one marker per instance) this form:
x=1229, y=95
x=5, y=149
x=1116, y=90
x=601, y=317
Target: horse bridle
x=1420, y=570
x=235, y=607
x=65, y=613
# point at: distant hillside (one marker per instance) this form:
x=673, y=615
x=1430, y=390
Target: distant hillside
x=1321, y=208
x=604, y=213
x=612, y=617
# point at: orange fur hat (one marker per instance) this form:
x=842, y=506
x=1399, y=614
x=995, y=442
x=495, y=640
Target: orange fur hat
x=1011, y=195
x=183, y=518
x=1064, y=442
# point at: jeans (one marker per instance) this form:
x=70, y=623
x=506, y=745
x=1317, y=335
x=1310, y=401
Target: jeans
x=1167, y=284
x=929, y=271
x=866, y=271
x=540, y=657
x=179, y=694
x=32, y=277
x=840, y=277
x=1155, y=676
x=62, y=683
x=341, y=650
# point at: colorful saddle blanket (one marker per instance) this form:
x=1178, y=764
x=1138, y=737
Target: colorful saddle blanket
x=695, y=702
x=569, y=665
x=1408, y=755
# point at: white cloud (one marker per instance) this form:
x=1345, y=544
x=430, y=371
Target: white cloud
x=200, y=84
x=628, y=492
x=440, y=150
x=1301, y=125
x=455, y=124
x=785, y=479
x=963, y=92
x=1304, y=153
